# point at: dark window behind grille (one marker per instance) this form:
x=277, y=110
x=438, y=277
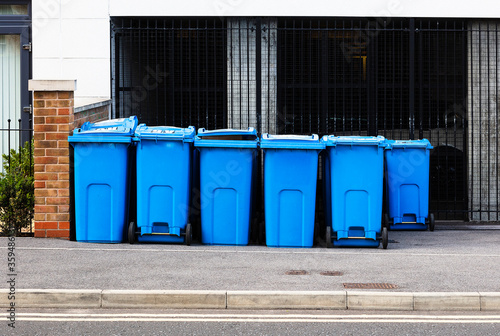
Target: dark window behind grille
x=170, y=71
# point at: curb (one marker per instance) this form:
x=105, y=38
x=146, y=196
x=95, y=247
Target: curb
x=206, y=299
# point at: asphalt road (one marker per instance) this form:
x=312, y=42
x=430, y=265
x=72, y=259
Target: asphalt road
x=207, y=322
x=440, y=261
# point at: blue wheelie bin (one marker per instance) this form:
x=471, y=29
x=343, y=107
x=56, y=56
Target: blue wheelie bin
x=227, y=169
x=407, y=185
x=353, y=178
x=164, y=156
x=102, y=179
x=290, y=175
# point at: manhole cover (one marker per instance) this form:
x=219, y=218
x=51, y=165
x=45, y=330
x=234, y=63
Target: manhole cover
x=370, y=286
x=332, y=273
x=296, y=272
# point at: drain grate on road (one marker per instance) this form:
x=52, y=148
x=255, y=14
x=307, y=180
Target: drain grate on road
x=370, y=286
x=296, y=272
x=332, y=273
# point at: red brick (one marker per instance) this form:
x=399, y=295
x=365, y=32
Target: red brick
x=57, y=233
x=57, y=184
x=39, y=217
x=39, y=136
x=57, y=168
x=57, y=200
x=63, y=143
x=57, y=152
x=45, y=144
x=46, y=160
x=59, y=103
x=45, y=112
x=40, y=234
x=63, y=160
x=63, y=193
x=63, y=111
x=45, y=95
x=58, y=217
x=39, y=185
x=47, y=225
x=40, y=200
x=39, y=152
x=64, y=209
x=63, y=176
x=65, y=128
x=46, y=176
x=57, y=136
x=45, y=209
x=64, y=225
x=46, y=192
x=59, y=120
x=39, y=103
x=39, y=168
x=41, y=127
x=65, y=94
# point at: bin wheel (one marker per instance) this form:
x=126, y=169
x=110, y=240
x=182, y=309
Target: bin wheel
x=262, y=233
x=328, y=236
x=189, y=234
x=431, y=222
x=385, y=238
x=131, y=232
x=387, y=221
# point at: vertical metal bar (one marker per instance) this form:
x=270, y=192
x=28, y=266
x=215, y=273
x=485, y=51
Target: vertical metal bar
x=258, y=73
x=20, y=134
x=497, y=182
x=294, y=82
x=302, y=75
x=240, y=77
x=226, y=44
x=464, y=94
x=421, y=83
x=198, y=111
x=207, y=72
x=480, y=67
x=8, y=141
x=411, y=83
x=488, y=116
x=248, y=29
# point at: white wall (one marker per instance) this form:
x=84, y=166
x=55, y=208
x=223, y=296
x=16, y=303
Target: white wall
x=364, y=8
x=71, y=41
x=71, y=37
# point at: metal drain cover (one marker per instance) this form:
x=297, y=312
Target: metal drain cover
x=370, y=286
x=296, y=272
x=332, y=273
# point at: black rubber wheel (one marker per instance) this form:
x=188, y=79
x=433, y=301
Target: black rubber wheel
x=131, y=232
x=387, y=221
x=328, y=236
x=189, y=234
x=385, y=238
x=431, y=222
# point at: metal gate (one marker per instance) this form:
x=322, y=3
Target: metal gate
x=400, y=78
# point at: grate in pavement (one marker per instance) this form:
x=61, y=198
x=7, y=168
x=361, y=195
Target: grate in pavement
x=332, y=273
x=296, y=272
x=370, y=286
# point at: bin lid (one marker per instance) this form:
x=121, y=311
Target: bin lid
x=331, y=140
x=291, y=141
x=424, y=144
x=231, y=138
x=115, y=130
x=165, y=133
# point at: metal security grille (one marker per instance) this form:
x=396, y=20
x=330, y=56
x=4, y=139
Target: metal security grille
x=170, y=71
x=400, y=78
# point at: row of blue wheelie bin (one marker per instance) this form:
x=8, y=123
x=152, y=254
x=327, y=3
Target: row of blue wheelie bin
x=167, y=160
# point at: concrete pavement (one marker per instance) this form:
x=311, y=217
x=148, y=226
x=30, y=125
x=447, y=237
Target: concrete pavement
x=452, y=268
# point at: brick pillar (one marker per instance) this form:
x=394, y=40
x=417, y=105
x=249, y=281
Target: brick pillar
x=53, y=116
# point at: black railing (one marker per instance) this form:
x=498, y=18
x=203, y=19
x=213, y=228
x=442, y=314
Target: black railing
x=17, y=134
x=400, y=78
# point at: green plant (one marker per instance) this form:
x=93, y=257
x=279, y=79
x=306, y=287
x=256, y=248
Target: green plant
x=17, y=198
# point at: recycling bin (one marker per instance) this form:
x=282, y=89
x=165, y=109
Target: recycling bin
x=102, y=179
x=227, y=169
x=353, y=180
x=163, y=161
x=407, y=185
x=290, y=176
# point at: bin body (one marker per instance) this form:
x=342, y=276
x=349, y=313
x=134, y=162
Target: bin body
x=164, y=156
x=354, y=171
x=407, y=183
x=290, y=178
x=227, y=169
x=102, y=179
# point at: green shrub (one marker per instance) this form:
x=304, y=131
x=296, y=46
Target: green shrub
x=17, y=198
